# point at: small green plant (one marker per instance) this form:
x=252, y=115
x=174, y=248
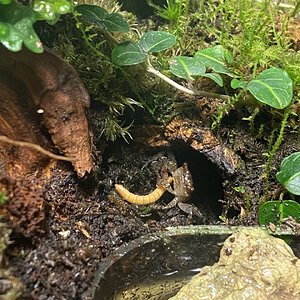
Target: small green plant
x=272, y=86
x=172, y=11
x=16, y=21
x=277, y=210
x=176, y=13
x=3, y=198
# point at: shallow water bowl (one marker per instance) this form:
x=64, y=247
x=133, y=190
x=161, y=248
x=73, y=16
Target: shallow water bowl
x=155, y=267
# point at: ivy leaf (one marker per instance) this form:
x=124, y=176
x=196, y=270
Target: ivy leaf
x=100, y=17
x=187, y=67
x=215, y=77
x=216, y=58
x=128, y=53
x=289, y=173
x=155, y=41
x=273, y=87
x=275, y=211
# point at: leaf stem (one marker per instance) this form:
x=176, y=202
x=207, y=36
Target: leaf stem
x=183, y=89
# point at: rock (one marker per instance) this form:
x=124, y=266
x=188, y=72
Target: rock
x=252, y=265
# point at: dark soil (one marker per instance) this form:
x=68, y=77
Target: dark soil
x=86, y=220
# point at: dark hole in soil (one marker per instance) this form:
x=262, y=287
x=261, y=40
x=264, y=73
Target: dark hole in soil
x=231, y=213
x=206, y=177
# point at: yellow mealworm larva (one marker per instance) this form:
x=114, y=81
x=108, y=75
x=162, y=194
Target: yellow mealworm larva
x=138, y=199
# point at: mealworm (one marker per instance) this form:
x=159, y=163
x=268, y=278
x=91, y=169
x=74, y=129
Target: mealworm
x=140, y=199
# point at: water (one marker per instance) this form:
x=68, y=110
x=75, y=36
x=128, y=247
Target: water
x=162, y=289
x=156, y=267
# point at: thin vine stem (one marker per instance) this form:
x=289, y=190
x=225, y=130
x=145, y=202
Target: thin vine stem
x=5, y=139
x=183, y=89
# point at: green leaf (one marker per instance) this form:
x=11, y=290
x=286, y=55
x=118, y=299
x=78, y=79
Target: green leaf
x=99, y=16
x=16, y=27
x=4, y=31
x=16, y=22
x=30, y=38
x=235, y=84
x=187, y=67
x=289, y=173
x=50, y=10
x=275, y=211
x=93, y=14
x=228, y=56
x=13, y=40
x=215, y=77
x=273, y=87
x=116, y=23
x=155, y=41
x=215, y=58
x=128, y=53
x=5, y=2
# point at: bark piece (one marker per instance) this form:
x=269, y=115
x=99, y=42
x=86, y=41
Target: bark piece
x=40, y=95
x=202, y=140
x=53, y=87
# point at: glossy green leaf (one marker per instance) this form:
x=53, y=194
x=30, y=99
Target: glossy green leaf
x=12, y=40
x=235, y=84
x=92, y=13
x=99, y=16
x=155, y=41
x=50, y=10
x=275, y=211
x=215, y=77
x=30, y=38
x=16, y=27
x=16, y=22
x=116, y=23
x=289, y=173
x=128, y=53
x=215, y=58
x=273, y=87
x=187, y=67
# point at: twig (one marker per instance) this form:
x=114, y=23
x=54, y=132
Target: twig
x=36, y=147
x=181, y=88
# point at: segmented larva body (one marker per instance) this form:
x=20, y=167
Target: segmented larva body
x=139, y=199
